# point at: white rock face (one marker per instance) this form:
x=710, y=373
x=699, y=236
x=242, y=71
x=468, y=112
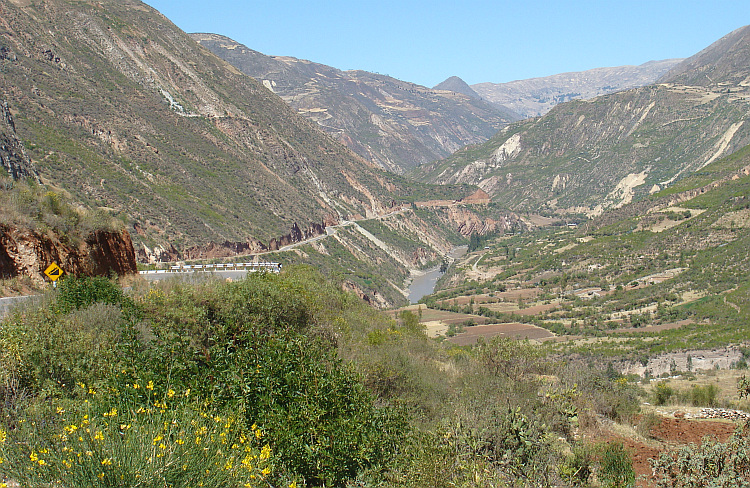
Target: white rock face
x=270, y=84
x=508, y=150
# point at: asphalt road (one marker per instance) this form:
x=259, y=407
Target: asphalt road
x=7, y=304
x=160, y=275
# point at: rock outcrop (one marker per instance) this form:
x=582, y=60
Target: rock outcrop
x=25, y=252
x=13, y=157
x=296, y=235
x=223, y=250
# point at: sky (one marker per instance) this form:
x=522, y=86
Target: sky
x=477, y=40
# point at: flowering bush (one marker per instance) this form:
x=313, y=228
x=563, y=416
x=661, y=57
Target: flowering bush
x=111, y=441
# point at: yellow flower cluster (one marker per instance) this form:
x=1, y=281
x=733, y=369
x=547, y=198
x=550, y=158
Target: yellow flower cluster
x=126, y=441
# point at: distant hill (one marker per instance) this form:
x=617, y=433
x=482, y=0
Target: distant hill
x=394, y=124
x=588, y=156
x=536, y=96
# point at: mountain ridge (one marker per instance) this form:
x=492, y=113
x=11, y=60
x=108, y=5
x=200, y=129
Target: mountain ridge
x=393, y=123
x=534, y=97
x=584, y=157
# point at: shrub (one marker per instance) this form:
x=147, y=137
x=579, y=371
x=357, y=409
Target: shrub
x=45, y=350
x=703, y=396
x=616, y=466
x=711, y=464
x=662, y=393
x=578, y=467
x=75, y=292
x=256, y=345
x=111, y=441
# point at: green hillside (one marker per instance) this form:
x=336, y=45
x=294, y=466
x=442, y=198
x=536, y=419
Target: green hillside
x=589, y=156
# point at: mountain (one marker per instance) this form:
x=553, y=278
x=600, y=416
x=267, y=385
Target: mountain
x=588, y=156
x=456, y=84
x=128, y=114
x=394, y=124
x=723, y=63
x=536, y=96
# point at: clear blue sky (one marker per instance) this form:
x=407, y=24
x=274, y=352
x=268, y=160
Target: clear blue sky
x=425, y=42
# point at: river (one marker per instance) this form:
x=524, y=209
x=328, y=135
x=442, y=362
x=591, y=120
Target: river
x=424, y=284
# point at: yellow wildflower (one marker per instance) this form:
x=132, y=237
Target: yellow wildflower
x=3, y=435
x=98, y=436
x=107, y=462
x=150, y=385
x=170, y=393
x=265, y=453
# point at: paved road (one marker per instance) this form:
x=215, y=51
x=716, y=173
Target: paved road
x=7, y=304
x=160, y=275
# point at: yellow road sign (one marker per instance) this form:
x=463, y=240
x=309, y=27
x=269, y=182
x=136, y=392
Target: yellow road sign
x=53, y=271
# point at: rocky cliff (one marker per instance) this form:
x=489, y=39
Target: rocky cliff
x=25, y=252
x=13, y=157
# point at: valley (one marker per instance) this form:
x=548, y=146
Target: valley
x=553, y=294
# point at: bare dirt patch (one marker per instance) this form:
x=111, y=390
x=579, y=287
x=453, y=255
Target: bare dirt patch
x=653, y=328
x=670, y=433
x=513, y=330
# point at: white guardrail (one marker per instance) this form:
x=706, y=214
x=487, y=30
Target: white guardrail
x=248, y=267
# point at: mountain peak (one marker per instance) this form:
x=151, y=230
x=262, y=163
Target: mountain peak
x=456, y=84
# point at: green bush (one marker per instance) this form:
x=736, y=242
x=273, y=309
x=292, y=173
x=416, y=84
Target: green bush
x=75, y=292
x=42, y=350
x=257, y=345
x=110, y=441
x=711, y=464
x=616, y=466
x=663, y=393
x=703, y=396
x=579, y=466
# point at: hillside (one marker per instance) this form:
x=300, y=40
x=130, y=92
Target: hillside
x=586, y=156
x=666, y=274
x=536, y=96
x=127, y=113
x=392, y=123
x=721, y=64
